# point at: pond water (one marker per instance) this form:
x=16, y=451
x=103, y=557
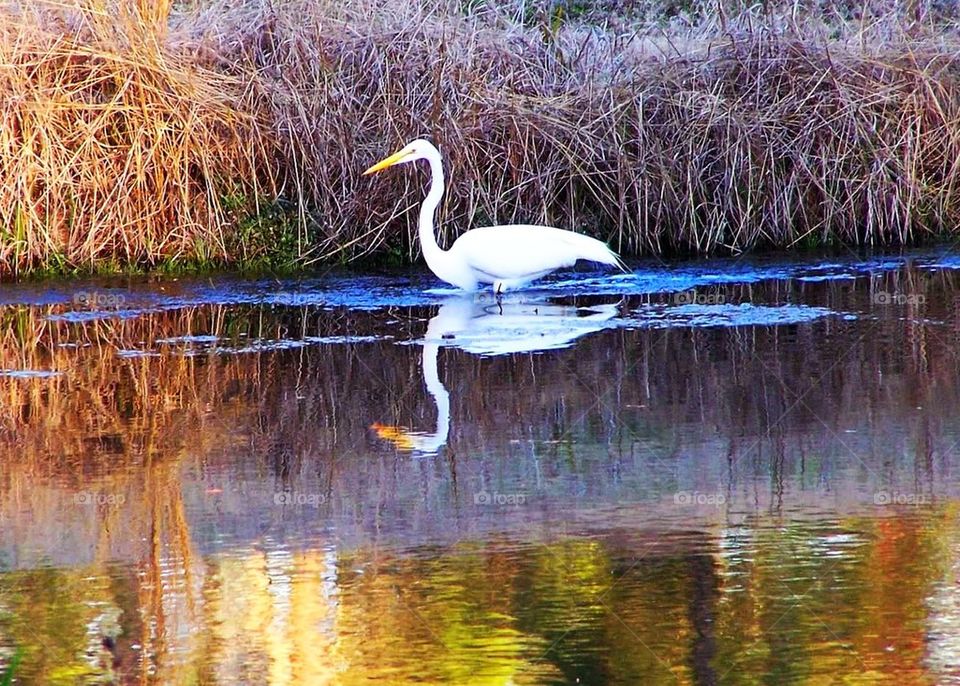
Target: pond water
x=720, y=472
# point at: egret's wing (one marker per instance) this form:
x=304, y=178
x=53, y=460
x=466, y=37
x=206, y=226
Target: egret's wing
x=523, y=251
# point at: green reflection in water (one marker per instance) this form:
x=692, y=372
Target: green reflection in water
x=45, y=614
x=795, y=603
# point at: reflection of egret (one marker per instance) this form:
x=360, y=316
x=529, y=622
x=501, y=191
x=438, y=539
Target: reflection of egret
x=416, y=441
x=508, y=257
x=490, y=329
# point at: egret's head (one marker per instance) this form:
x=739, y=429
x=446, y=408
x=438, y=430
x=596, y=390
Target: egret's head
x=419, y=149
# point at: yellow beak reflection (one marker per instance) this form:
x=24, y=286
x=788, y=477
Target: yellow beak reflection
x=395, y=435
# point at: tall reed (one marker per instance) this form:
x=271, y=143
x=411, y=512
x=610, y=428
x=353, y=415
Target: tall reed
x=117, y=146
x=134, y=137
x=727, y=133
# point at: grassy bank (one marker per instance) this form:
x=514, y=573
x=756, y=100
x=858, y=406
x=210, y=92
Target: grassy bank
x=139, y=136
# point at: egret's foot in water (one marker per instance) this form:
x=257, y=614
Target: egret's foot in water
x=498, y=294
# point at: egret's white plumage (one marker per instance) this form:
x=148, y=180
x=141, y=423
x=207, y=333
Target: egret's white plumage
x=508, y=257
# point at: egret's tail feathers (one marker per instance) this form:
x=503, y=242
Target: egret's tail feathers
x=597, y=251
x=613, y=259
x=619, y=263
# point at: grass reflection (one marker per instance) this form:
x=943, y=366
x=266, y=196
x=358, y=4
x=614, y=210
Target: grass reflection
x=143, y=538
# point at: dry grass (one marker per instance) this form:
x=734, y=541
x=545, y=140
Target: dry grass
x=115, y=146
x=706, y=131
x=718, y=133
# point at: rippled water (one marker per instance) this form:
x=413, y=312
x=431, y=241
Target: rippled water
x=719, y=472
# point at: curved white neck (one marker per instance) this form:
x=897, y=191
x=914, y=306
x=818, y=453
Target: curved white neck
x=428, y=241
x=431, y=378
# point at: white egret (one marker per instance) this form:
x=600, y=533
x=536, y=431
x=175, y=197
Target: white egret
x=508, y=257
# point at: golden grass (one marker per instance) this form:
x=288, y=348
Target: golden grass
x=115, y=146
x=133, y=136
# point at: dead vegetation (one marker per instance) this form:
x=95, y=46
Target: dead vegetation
x=114, y=148
x=130, y=139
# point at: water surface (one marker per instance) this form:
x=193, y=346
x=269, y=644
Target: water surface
x=724, y=472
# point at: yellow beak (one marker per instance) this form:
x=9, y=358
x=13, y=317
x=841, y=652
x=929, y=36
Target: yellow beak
x=389, y=162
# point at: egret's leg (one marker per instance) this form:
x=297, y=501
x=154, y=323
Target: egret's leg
x=498, y=294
